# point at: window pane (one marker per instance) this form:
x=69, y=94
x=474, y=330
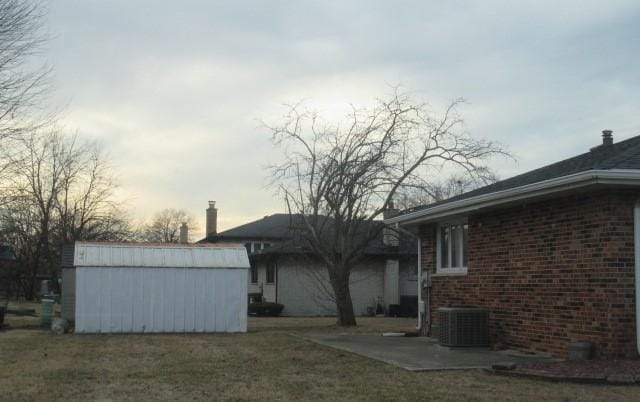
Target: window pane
x=257, y=246
x=465, y=242
x=254, y=273
x=266, y=245
x=455, y=245
x=444, y=247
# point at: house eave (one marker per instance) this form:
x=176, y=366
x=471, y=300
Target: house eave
x=616, y=177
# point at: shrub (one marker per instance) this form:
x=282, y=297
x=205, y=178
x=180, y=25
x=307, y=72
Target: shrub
x=265, y=309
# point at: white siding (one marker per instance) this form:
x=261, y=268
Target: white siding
x=140, y=299
x=268, y=289
x=304, y=289
x=391, y=285
x=156, y=288
x=408, y=279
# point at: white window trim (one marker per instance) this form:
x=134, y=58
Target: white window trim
x=446, y=270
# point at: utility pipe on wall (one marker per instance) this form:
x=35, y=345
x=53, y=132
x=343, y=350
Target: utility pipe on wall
x=636, y=241
x=420, y=305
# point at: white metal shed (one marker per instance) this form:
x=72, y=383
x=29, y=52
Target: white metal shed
x=142, y=287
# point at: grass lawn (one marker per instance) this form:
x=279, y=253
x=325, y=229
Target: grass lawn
x=265, y=364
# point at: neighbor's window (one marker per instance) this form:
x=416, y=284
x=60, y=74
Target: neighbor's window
x=257, y=247
x=254, y=273
x=452, y=247
x=271, y=272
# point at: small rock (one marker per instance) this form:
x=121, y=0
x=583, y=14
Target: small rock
x=504, y=366
x=59, y=326
x=621, y=378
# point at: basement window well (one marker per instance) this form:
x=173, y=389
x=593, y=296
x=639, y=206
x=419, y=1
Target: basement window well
x=452, y=255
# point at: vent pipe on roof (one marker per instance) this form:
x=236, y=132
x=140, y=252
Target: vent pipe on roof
x=607, y=137
x=212, y=219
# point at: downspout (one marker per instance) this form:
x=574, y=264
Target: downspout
x=275, y=276
x=420, y=304
x=636, y=241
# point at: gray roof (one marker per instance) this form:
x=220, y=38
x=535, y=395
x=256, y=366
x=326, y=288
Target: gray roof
x=285, y=229
x=623, y=155
x=277, y=226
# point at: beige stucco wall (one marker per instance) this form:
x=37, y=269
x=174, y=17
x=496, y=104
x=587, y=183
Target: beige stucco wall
x=304, y=289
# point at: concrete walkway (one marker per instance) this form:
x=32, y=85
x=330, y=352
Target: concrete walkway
x=421, y=353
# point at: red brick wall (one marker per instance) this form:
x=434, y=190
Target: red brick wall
x=549, y=272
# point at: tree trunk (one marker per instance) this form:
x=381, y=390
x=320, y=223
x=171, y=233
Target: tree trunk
x=30, y=291
x=344, y=304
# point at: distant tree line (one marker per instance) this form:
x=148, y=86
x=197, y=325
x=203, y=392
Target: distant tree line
x=55, y=187
x=58, y=189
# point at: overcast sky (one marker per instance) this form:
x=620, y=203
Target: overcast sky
x=175, y=90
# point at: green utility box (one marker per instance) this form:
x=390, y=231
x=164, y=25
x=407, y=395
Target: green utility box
x=47, y=312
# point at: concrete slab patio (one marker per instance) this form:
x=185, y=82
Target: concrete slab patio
x=421, y=353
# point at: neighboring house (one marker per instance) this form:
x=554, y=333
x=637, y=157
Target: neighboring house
x=282, y=273
x=9, y=274
x=552, y=253
x=7, y=254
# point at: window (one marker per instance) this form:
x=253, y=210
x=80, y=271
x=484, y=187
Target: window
x=266, y=245
x=254, y=273
x=271, y=272
x=257, y=246
x=452, y=254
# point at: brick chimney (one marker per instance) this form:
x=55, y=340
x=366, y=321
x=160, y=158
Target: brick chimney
x=390, y=211
x=212, y=219
x=184, y=233
x=389, y=235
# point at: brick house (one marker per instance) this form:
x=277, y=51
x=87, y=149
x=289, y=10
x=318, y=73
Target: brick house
x=282, y=272
x=551, y=253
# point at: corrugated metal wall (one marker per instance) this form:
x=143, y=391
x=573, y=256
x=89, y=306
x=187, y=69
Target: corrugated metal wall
x=138, y=299
x=136, y=287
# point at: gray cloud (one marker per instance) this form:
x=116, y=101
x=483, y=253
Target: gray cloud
x=175, y=89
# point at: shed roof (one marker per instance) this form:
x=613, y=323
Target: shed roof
x=160, y=255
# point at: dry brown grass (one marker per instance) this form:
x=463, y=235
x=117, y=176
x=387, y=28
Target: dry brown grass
x=265, y=364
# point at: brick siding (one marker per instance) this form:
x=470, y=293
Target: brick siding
x=550, y=272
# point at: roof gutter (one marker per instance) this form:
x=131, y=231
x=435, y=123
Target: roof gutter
x=559, y=184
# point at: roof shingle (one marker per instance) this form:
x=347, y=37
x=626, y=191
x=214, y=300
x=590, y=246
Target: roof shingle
x=623, y=155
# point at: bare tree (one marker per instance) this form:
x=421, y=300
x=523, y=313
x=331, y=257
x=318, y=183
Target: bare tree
x=21, y=84
x=60, y=190
x=36, y=181
x=23, y=77
x=165, y=226
x=340, y=178
x=439, y=190
x=85, y=206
